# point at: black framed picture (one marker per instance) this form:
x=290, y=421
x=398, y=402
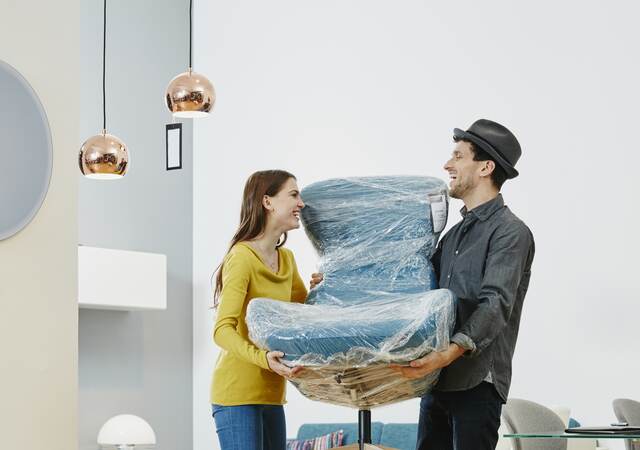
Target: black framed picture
x=174, y=146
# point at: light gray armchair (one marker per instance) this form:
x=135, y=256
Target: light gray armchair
x=628, y=410
x=525, y=416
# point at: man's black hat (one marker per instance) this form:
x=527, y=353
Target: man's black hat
x=496, y=140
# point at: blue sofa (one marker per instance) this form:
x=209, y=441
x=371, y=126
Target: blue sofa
x=395, y=435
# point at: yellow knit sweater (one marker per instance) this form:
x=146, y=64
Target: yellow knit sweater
x=242, y=375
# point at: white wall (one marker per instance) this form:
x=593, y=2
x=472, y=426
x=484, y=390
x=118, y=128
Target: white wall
x=334, y=88
x=38, y=271
x=137, y=362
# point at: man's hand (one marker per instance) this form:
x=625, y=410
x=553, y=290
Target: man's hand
x=316, y=278
x=273, y=359
x=422, y=367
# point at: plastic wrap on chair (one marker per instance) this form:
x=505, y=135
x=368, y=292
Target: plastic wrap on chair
x=378, y=303
x=374, y=234
x=347, y=350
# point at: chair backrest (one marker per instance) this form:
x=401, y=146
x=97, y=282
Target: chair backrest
x=525, y=416
x=564, y=412
x=627, y=410
x=374, y=235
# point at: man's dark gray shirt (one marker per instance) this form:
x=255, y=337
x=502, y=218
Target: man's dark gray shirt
x=485, y=259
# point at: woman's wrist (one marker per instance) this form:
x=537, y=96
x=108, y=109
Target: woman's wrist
x=266, y=360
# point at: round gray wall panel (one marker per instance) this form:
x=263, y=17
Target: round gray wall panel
x=26, y=154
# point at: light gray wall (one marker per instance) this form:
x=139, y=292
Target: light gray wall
x=364, y=87
x=38, y=272
x=137, y=362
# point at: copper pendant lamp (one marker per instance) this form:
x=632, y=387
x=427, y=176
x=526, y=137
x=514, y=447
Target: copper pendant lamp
x=103, y=156
x=190, y=94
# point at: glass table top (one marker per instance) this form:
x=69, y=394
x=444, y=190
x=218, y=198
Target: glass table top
x=563, y=435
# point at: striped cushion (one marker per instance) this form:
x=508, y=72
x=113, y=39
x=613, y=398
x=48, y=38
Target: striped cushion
x=331, y=440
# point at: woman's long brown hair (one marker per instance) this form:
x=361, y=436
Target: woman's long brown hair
x=253, y=217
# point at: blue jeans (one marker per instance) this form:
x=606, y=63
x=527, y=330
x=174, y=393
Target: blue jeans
x=250, y=427
x=461, y=420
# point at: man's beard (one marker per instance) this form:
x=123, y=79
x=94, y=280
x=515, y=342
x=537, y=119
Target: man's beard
x=460, y=189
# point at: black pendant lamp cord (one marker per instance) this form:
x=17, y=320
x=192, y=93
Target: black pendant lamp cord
x=190, y=32
x=104, y=57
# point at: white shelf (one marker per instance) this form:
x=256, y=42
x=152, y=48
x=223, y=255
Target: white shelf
x=121, y=279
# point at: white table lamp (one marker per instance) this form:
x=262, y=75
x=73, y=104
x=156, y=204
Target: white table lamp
x=126, y=432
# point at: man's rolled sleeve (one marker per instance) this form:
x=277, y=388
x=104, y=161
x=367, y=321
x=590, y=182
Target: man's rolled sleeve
x=465, y=342
x=505, y=265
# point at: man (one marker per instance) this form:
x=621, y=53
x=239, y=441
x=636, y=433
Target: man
x=485, y=259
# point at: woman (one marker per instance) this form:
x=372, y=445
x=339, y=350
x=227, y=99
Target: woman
x=248, y=388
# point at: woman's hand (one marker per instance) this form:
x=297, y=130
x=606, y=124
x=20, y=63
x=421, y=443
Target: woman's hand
x=273, y=359
x=316, y=279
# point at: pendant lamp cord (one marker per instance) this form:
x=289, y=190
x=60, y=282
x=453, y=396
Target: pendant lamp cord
x=104, y=57
x=190, y=32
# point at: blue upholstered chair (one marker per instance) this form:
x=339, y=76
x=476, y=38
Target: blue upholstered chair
x=378, y=303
